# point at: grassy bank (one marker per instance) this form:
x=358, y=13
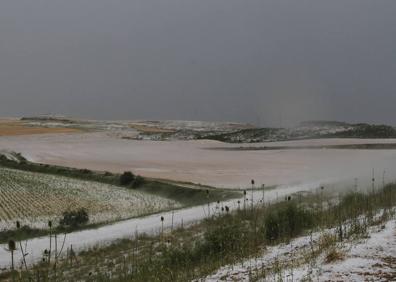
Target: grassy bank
x=185, y=195
x=315, y=130
x=225, y=238
x=374, y=146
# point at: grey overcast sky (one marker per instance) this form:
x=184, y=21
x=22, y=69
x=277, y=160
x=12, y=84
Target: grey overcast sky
x=252, y=61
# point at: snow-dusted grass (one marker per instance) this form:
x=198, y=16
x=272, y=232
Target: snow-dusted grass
x=369, y=256
x=367, y=259
x=81, y=240
x=240, y=240
x=35, y=198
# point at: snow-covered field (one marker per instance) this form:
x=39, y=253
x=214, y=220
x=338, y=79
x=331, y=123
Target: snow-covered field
x=195, y=161
x=138, y=129
x=152, y=224
x=368, y=259
x=192, y=161
x=35, y=198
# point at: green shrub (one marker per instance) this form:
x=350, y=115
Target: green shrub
x=227, y=236
x=287, y=222
x=20, y=233
x=74, y=218
x=272, y=228
x=352, y=205
x=138, y=181
x=127, y=178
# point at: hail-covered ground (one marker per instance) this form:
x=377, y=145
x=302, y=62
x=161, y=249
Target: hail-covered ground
x=368, y=258
x=133, y=145
x=151, y=225
x=34, y=198
x=118, y=146
x=201, y=161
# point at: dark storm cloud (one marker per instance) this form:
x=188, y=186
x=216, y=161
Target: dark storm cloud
x=267, y=62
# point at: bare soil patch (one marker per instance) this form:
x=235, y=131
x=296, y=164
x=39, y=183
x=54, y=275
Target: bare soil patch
x=15, y=128
x=150, y=129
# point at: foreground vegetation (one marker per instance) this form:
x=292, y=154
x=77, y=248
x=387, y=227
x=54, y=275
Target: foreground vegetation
x=226, y=237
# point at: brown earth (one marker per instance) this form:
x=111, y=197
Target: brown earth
x=150, y=129
x=14, y=127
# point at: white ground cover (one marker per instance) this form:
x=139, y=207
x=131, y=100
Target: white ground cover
x=35, y=198
x=193, y=161
x=369, y=259
x=150, y=225
x=126, y=124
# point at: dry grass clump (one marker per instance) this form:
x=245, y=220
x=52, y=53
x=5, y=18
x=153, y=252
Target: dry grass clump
x=334, y=254
x=326, y=241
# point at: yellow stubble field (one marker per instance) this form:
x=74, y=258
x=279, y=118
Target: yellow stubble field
x=13, y=127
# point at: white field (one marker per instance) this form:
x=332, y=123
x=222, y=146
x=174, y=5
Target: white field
x=35, y=198
x=366, y=259
x=152, y=224
x=192, y=161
